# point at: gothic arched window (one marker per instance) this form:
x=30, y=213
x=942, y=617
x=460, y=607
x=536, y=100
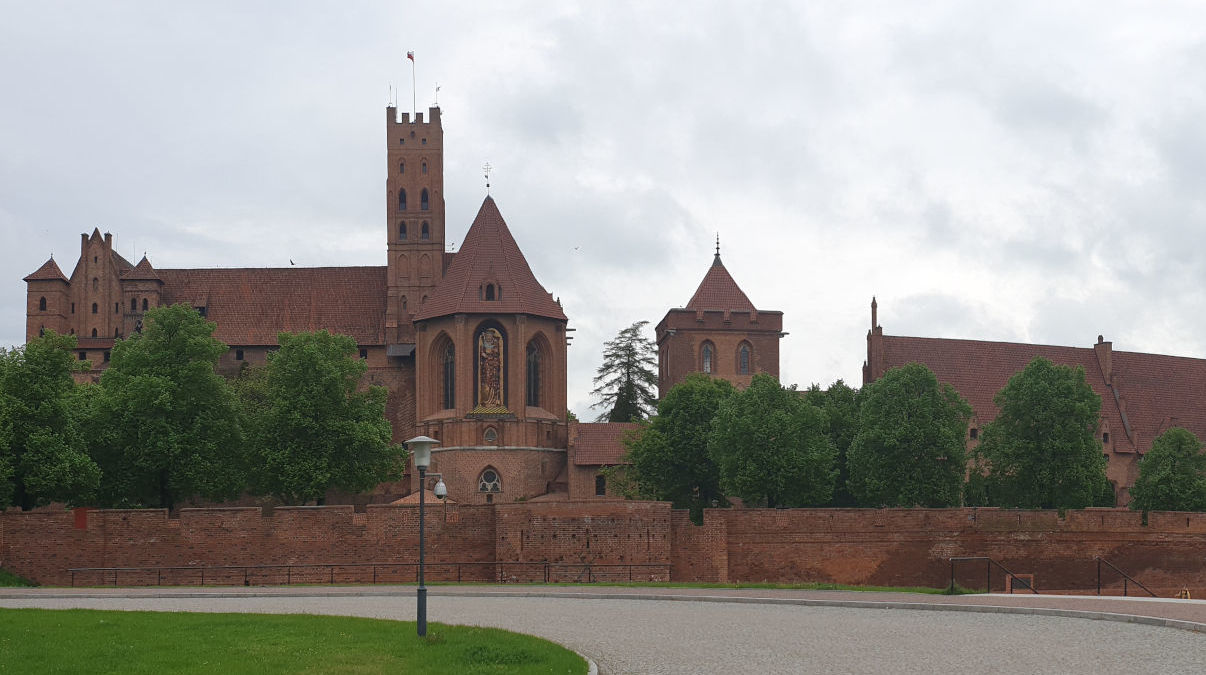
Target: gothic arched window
x=402, y=231
x=600, y=485
x=743, y=359
x=489, y=481
x=707, y=357
x=401, y=167
x=402, y=199
x=490, y=367
x=533, y=379
x=424, y=168
x=423, y=202
x=95, y=308
x=133, y=304
x=144, y=304
x=424, y=230
x=93, y=332
x=489, y=291
x=42, y=304
x=448, y=372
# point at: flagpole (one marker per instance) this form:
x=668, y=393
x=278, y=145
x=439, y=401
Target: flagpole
x=414, y=99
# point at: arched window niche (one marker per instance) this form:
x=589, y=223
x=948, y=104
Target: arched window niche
x=490, y=368
x=489, y=480
x=42, y=304
x=445, y=372
x=536, y=361
x=402, y=199
x=424, y=231
x=707, y=358
x=402, y=231
x=744, y=358
x=424, y=202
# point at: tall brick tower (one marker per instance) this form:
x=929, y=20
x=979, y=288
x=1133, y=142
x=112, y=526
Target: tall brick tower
x=414, y=216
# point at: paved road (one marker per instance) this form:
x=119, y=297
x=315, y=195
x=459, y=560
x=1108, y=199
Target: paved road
x=625, y=635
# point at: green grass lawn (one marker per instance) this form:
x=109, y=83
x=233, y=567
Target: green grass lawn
x=90, y=641
x=9, y=579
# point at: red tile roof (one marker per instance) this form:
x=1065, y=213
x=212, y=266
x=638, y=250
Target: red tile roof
x=251, y=306
x=141, y=272
x=1159, y=391
x=48, y=271
x=600, y=443
x=489, y=254
x=718, y=291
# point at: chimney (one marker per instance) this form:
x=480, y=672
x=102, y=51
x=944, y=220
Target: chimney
x=1104, y=351
x=874, y=317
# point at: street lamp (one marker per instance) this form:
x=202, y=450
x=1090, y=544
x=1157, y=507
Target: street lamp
x=420, y=447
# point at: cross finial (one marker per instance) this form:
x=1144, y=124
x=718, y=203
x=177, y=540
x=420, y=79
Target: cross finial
x=716, y=260
x=486, y=170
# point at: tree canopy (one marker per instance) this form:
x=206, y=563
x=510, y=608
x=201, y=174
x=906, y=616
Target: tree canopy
x=669, y=459
x=43, y=457
x=1172, y=475
x=312, y=429
x=771, y=447
x=1041, y=451
x=166, y=425
x=840, y=403
x=626, y=382
x=910, y=445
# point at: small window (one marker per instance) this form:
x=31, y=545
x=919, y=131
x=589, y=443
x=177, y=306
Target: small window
x=1105, y=438
x=743, y=359
x=116, y=333
x=200, y=310
x=600, y=485
x=401, y=141
x=133, y=304
x=106, y=356
x=95, y=308
x=117, y=308
x=73, y=308
x=423, y=200
x=489, y=482
x=402, y=231
x=401, y=167
x=83, y=356
x=490, y=435
x=94, y=260
x=95, y=281
x=706, y=357
x=42, y=304
x=93, y=332
x=364, y=353
x=424, y=141
x=144, y=304
x=402, y=199
x=424, y=168
x=489, y=291
x=974, y=433
x=424, y=232
x=238, y=355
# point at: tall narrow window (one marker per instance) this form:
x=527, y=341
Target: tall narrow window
x=424, y=231
x=706, y=357
x=94, y=308
x=402, y=199
x=42, y=304
x=448, y=362
x=117, y=308
x=423, y=202
x=533, y=379
x=401, y=167
x=144, y=304
x=402, y=231
x=600, y=485
x=489, y=291
x=133, y=304
x=424, y=168
x=93, y=332
x=743, y=359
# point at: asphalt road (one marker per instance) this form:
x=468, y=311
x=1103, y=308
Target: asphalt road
x=664, y=636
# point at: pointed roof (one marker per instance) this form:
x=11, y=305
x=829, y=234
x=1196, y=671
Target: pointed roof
x=489, y=254
x=142, y=272
x=49, y=271
x=719, y=292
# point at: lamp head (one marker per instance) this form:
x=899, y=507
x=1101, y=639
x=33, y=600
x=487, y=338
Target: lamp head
x=420, y=447
x=440, y=490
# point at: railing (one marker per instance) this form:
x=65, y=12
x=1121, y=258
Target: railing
x=378, y=572
x=988, y=564
x=1125, y=577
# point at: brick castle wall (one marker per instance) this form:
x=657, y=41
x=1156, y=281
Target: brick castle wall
x=906, y=547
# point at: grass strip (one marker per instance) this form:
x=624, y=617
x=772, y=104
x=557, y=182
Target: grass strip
x=93, y=641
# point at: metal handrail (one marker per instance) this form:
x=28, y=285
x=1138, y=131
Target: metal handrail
x=988, y=566
x=546, y=567
x=1125, y=577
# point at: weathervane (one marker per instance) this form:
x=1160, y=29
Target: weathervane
x=437, y=95
x=486, y=170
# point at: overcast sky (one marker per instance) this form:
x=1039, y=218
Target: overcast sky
x=1025, y=171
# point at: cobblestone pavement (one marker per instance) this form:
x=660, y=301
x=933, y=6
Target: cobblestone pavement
x=639, y=630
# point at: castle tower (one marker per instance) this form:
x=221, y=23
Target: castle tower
x=414, y=216
x=48, y=301
x=719, y=333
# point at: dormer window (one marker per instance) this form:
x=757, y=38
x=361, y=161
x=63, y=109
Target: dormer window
x=489, y=291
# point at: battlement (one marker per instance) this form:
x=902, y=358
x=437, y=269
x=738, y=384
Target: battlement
x=392, y=116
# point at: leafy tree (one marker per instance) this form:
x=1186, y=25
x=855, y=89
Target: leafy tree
x=771, y=448
x=1172, y=475
x=42, y=451
x=167, y=424
x=1041, y=451
x=316, y=431
x=625, y=384
x=910, y=448
x=840, y=403
x=669, y=459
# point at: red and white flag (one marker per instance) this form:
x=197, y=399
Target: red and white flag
x=410, y=55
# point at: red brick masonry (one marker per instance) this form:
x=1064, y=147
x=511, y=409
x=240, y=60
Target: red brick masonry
x=906, y=547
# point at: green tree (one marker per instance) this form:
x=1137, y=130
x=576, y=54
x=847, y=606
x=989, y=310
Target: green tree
x=43, y=457
x=771, y=448
x=910, y=447
x=167, y=425
x=626, y=382
x=1041, y=450
x=669, y=459
x=1172, y=475
x=840, y=403
x=316, y=430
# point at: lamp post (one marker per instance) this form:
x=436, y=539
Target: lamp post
x=420, y=447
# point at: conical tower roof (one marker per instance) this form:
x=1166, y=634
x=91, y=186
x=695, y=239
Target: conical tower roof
x=718, y=291
x=142, y=272
x=490, y=255
x=49, y=271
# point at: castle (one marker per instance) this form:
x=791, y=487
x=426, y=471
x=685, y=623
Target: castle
x=470, y=346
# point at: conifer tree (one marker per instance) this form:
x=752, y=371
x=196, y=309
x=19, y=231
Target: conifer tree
x=626, y=382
